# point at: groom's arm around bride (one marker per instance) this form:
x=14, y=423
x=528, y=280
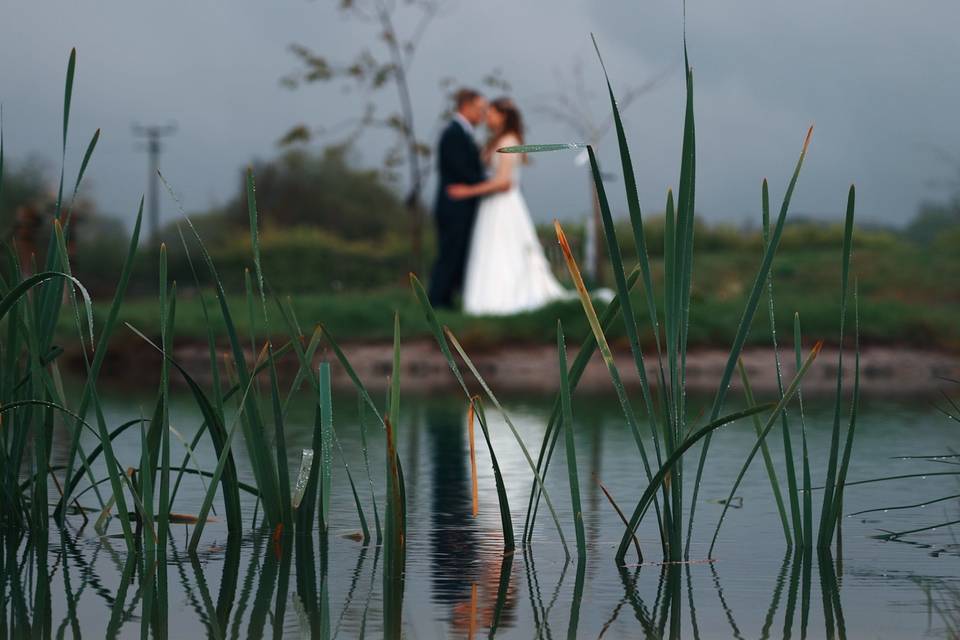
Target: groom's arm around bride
x=458, y=161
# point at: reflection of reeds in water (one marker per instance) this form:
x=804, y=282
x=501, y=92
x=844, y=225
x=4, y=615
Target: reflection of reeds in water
x=943, y=601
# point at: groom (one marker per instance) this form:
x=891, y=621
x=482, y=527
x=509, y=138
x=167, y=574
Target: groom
x=458, y=160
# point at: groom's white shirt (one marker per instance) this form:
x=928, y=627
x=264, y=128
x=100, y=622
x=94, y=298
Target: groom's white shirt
x=458, y=117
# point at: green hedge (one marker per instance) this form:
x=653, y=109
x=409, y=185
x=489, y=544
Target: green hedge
x=294, y=260
x=308, y=259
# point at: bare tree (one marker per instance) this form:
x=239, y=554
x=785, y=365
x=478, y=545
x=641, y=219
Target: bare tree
x=574, y=105
x=398, y=28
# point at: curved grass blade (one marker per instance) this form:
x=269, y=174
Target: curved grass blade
x=765, y=453
x=654, y=486
x=902, y=476
x=352, y=374
x=893, y=535
x=623, y=518
x=364, y=529
x=915, y=505
x=787, y=396
x=35, y=280
x=88, y=459
x=189, y=456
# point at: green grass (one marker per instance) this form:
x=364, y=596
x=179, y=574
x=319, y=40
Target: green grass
x=902, y=303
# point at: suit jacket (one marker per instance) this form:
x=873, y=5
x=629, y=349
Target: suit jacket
x=458, y=160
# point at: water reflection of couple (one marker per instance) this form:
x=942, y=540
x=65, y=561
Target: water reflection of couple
x=487, y=244
x=466, y=569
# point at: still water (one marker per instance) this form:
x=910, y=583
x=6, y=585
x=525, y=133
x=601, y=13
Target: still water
x=458, y=581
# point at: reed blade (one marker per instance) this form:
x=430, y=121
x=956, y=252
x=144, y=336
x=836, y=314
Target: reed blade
x=91, y=146
x=255, y=237
x=765, y=453
x=569, y=445
x=474, y=492
x=837, y=504
x=361, y=418
x=791, y=473
x=824, y=534
x=541, y=148
x=280, y=440
x=805, y=453
x=326, y=445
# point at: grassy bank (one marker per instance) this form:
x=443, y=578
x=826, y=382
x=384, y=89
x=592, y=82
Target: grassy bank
x=908, y=296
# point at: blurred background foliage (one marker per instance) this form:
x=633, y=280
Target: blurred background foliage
x=329, y=227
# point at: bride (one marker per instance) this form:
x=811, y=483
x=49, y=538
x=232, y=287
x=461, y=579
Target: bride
x=507, y=271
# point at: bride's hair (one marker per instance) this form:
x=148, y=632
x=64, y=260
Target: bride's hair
x=512, y=124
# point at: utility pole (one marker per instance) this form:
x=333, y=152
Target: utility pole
x=153, y=146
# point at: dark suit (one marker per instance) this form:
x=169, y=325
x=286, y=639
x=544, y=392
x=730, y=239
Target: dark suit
x=458, y=160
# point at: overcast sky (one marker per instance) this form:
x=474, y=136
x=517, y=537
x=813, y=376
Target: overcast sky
x=880, y=80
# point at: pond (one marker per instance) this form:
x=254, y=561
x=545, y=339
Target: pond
x=458, y=581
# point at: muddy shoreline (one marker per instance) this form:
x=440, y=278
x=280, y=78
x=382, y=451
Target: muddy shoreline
x=885, y=370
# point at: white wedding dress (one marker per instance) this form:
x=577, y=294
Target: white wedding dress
x=507, y=271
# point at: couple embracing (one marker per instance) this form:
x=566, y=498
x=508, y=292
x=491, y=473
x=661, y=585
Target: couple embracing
x=487, y=243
